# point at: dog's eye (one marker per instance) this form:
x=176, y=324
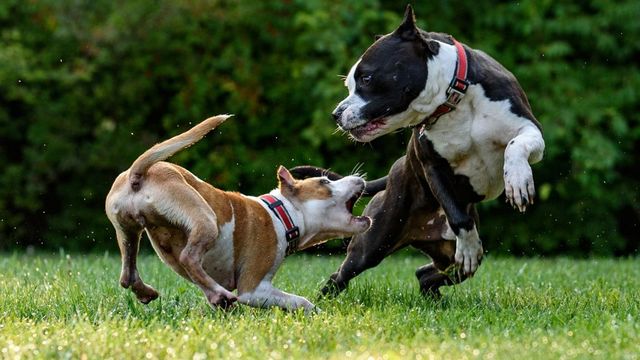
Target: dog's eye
x=365, y=79
x=324, y=181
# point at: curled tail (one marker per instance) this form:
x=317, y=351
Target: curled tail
x=169, y=147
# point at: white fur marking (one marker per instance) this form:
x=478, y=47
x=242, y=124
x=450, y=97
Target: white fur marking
x=350, y=80
x=473, y=140
x=265, y=295
x=468, y=250
x=447, y=233
x=218, y=261
x=524, y=149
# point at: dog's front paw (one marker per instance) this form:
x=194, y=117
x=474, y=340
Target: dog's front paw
x=310, y=309
x=468, y=254
x=221, y=299
x=332, y=288
x=518, y=184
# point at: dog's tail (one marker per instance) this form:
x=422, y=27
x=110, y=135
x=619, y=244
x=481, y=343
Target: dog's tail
x=169, y=147
x=305, y=171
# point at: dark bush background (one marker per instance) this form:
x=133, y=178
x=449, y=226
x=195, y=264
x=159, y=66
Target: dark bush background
x=86, y=86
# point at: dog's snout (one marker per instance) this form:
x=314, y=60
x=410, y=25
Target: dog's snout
x=337, y=114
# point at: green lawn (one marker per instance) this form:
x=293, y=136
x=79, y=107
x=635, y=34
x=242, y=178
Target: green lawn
x=71, y=306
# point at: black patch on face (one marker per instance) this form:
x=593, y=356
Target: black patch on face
x=391, y=74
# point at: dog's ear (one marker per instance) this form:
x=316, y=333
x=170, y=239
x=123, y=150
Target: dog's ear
x=285, y=180
x=431, y=45
x=408, y=30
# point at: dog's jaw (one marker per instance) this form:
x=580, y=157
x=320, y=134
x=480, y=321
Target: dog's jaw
x=332, y=217
x=350, y=119
x=371, y=130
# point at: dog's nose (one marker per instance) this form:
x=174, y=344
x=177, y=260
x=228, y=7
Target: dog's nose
x=336, y=114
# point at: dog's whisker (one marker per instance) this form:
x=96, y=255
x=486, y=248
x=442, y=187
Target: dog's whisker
x=341, y=131
x=356, y=169
x=325, y=172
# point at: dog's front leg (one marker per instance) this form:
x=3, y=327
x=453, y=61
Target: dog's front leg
x=524, y=149
x=468, y=245
x=266, y=295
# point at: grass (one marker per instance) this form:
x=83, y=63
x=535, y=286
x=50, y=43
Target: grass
x=70, y=306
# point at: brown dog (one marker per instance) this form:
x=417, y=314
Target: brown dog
x=222, y=241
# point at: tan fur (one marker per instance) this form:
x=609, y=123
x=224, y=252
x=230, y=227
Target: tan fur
x=159, y=197
x=256, y=243
x=169, y=147
x=310, y=189
x=216, y=198
x=220, y=241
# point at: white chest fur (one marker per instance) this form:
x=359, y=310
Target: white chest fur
x=473, y=138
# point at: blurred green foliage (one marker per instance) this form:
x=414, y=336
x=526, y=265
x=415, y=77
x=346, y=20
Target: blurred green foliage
x=86, y=86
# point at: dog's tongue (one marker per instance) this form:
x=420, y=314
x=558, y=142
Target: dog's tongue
x=368, y=127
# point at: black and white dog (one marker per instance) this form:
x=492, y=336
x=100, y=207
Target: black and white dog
x=474, y=136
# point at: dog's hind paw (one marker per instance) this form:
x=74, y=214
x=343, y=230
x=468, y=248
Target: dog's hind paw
x=144, y=293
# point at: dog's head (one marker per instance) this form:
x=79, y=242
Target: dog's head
x=385, y=81
x=326, y=205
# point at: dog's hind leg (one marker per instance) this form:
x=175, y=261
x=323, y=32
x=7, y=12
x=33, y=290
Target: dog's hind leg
x=442, y=271
x=186, y=209
x=438, y=241
x=201, y=237
x=129, y=241
x=128, y=231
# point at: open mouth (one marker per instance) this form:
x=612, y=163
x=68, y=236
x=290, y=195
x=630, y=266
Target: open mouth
x=361, y=222
x=352, y=201
x=370, y=126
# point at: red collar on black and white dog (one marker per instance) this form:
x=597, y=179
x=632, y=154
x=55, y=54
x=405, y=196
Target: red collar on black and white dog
x=292, y=233
x=456, y=90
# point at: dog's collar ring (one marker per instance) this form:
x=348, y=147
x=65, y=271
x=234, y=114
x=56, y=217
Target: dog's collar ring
x=292, y=232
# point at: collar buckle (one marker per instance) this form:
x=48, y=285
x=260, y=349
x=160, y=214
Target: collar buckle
x=456, y=92
x=292, y=234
